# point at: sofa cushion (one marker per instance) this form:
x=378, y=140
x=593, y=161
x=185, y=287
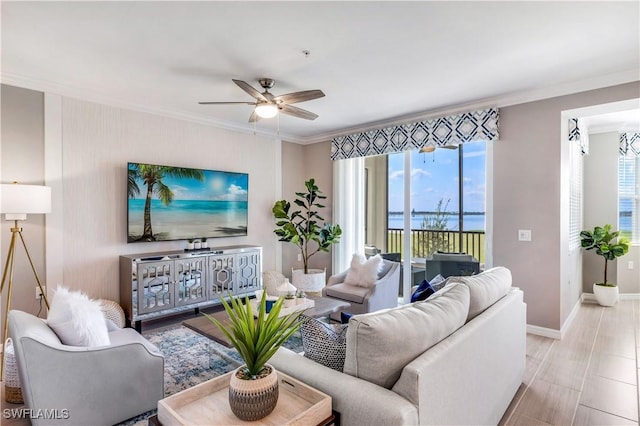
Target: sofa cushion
x=77, y=320
x=324, y=343
x=485, y=289
x=380, y=344
x=350, y=293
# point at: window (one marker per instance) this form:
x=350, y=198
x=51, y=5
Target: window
x=447, y=200
x=628, y=199
x=575, y=195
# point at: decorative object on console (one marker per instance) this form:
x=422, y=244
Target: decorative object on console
x=18, y=201
x=253, y=389
x=324, y=343
x=301, y=297
x=203, y=243
x=210, y=203
x=603, y=240
x=300, y=227
x=190, y=245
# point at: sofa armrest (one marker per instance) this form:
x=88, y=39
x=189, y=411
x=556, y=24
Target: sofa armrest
x=359, y=402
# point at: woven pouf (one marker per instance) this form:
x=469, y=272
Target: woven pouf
x=112, y=311
x=12, y=389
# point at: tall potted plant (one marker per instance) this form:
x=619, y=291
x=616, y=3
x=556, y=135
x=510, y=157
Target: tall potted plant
x=302, y=228
x=604, y=242
x=253, y=388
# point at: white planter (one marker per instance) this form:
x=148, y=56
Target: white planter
x=197, y=245
x=204, y=244
x=605, y=295
x=314, y=281
x=189, y=246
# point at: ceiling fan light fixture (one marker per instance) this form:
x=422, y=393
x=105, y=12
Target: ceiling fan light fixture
x=266, y=110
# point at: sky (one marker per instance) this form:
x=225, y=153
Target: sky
x=434, y=176
x=217, y=186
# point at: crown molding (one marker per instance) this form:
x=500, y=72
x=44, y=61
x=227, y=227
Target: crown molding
x=99, y=98
x=502, y=100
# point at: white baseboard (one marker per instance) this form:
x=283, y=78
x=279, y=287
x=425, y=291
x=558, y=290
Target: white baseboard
x=544, y=332
x=623, y=296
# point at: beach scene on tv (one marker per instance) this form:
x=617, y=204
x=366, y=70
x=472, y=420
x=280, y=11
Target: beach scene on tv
x=177, y=203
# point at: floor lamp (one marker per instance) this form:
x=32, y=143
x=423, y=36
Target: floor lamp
x=17, y=202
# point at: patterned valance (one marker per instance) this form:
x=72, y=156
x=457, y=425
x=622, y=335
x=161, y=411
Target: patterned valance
x=450, y=130
x=630, y=144
x=577, y=133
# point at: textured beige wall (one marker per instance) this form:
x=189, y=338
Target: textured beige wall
x=98, y=141
x=293, y=177
x=22, y=154
x=527, y=182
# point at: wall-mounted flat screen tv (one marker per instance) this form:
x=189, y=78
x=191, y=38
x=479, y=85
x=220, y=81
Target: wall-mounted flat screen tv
x=178, y=203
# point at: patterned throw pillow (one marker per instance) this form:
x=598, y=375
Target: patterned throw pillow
x=323, y=343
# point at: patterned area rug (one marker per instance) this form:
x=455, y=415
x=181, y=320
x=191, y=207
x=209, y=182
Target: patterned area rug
x=190, y=359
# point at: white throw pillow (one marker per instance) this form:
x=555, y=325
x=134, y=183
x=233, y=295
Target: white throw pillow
x=363, y=272
x=77, y=320
x=353, y=274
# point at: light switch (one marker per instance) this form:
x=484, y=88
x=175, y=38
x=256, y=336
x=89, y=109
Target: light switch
x=524, y=235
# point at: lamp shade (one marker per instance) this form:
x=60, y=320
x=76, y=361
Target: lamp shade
x=25, y=199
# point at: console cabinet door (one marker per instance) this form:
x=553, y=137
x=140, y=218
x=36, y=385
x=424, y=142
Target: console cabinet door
x=247, y=272
x=220, y=275
x=154, y=289
x=190, y=284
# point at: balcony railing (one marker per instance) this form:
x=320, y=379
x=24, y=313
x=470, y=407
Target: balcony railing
x=426, y=241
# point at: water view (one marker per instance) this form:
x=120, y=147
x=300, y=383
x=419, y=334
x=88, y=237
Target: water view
x=472, y=222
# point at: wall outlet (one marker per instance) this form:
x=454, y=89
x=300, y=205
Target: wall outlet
x=524, y=235
x=630, y=264
x=39, y=293
x=299, y=257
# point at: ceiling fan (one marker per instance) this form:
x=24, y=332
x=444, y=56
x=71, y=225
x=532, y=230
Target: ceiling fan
x=268, y=105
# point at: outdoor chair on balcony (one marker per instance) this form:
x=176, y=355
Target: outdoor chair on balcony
x=382, y=292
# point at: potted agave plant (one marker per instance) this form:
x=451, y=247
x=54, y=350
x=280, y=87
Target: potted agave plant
x=604, y=242
x=301, y=227
x=253, y=389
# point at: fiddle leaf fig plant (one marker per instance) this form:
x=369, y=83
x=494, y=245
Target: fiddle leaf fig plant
x=301, y=227
x=604, y=242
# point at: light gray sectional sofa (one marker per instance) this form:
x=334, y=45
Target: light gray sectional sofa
x=456, y=358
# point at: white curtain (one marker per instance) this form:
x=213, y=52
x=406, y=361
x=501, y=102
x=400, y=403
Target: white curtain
x=348, y=210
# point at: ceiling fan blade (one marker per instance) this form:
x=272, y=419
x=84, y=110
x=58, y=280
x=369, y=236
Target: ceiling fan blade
x=305, y=95
x=297, y=112
x=226, y=103
x=250, y=90
x=254, y=117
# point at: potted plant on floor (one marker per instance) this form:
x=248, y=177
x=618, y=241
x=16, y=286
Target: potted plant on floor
x=604, y=242
x=302, y=228
x=253, y=389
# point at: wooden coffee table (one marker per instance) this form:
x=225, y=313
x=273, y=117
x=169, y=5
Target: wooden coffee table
x=324, y=307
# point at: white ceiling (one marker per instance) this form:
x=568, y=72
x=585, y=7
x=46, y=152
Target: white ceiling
x=377, y=62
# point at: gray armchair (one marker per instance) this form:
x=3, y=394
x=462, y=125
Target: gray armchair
x=97, y=385
x=383, y=294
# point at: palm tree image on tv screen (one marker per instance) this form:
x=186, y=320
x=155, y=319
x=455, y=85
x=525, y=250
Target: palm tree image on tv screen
x=177, y=203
